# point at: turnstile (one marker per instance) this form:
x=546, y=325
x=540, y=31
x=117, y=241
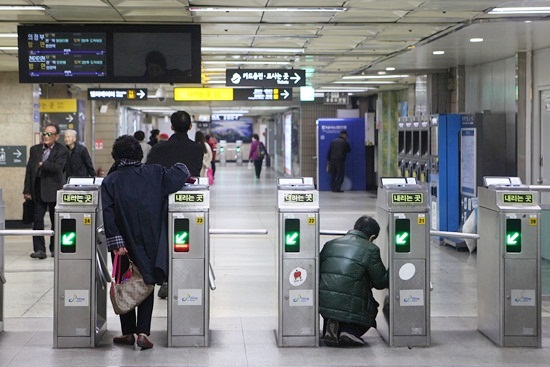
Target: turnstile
x=2, y=276
x=508, y=263
x=403, y=214
x=239, y=152
x=80, y=270
x=189, y=249
x=223, y=152
x=298, y=263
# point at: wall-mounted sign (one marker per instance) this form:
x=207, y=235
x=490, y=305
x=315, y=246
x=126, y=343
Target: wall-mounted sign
x=232, y=94
x=13, y=155
x=265, y=77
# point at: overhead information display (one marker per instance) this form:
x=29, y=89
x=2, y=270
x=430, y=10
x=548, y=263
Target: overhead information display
x=231, y=94
x=265, y=78
x=67, y=54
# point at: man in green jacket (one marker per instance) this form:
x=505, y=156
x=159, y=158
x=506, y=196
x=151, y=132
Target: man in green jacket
x=350, y=267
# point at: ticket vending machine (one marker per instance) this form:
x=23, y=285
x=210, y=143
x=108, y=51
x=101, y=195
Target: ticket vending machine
x=189, y=259
x=239, y=152
x=80, y=270
x=298, y=263
x=223, y=152
x=403, y=317
x=2, y=276
x=508, y=263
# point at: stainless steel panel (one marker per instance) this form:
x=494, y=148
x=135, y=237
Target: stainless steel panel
x=188, y=298
x=309, y=235
x=411, y=299
x=85, y=235
x=198, y=234
x=521, y=294
x=73, y=298
x=299, y=297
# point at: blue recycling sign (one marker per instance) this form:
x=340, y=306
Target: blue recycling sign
x=13, y=155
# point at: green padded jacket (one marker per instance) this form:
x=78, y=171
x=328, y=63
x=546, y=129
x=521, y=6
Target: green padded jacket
x=350, y=266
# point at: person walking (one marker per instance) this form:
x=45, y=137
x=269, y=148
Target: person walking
x=257, y=154
x=336, y=159
x=145, y=147
x=350, y=266
x=179, y=148
x=44, y=175
x=212, y=142
x=79, y=163
x=207, y=157
x=143, y=237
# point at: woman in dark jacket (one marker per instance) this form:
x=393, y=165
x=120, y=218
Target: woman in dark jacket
x=350, y=267
x=135, y=214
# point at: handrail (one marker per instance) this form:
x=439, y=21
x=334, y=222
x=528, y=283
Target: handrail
x=332, y=232
x=238, y=231
x=211, y=277
x=539, y=187
x=2, y=278
x=26, y=232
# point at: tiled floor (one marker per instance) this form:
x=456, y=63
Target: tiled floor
x=244, y=305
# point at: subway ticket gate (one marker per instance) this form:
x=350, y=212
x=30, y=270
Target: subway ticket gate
x=2, y=276
x=189, y=259
x=298, y=263
x=80, y=270
x=239, y=152
x=222, y=152
x=403, y=318
x=508, y=263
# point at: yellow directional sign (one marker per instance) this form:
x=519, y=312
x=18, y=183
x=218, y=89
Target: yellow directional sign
x=58, y=105
x=203, y=94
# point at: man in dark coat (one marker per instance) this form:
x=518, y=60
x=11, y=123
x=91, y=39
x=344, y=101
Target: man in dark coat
x=350, y=267
x=44, y=175
x=79, y=163
x=336, y=158
x=134, y=197
x=179, y=148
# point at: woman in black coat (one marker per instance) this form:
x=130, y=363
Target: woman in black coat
x=135, y=214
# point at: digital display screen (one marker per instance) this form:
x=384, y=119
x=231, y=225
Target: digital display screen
x=402, y=235
x=77, y=198
x=181, y=235
x=67, y=236
x=189, y=198
x=298, y=198
x=89, y=53
x=407, y=198
x=517, y=198
x=513, y=235
x=292, y=235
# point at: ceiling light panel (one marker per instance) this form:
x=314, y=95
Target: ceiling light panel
x=244, y=9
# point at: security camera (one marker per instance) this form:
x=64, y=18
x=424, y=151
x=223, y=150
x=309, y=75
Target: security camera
x=161, y=94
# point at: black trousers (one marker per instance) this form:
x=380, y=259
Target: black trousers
x=213, y=165
x=337, y=172
x=40, y=207
x=138, y=320
x=258, y=167
x=354, y=329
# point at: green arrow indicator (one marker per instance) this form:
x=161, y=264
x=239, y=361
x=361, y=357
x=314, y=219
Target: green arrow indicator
x=512, y=239
x=68, y=239
x=291, y=238
x=401, y=239
x=180, y=238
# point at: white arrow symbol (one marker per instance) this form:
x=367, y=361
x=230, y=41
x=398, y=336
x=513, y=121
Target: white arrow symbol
x=69, y=118
x=17, y=153
x=296, y=78
x=511, y=239
x=400, y=239
x=141, y=94
x=285, y=94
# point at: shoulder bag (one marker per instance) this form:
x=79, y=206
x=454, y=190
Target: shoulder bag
x=127, y=290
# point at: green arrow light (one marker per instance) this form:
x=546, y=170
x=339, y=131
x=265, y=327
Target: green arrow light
x=68, y=239
x=512, y=239
x=401, y=239
x=181, y=237
x=291, y=238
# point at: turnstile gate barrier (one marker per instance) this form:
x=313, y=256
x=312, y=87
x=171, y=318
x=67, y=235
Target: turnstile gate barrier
x=222, y=154
x=239, y=152
x=403, y=214
x=508, y=263
x=80, y=270
x=189, y=249
x=298, y=263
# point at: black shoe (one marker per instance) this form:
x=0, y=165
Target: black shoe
x=331, y=333
x=52, y=254
x=34, y=255
x=348, y=339
x=163, y=290
x=40, y=255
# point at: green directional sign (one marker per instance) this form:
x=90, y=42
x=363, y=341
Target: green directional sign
x=292, y=235
x=513, y=235
x=181, y=235
x=402, y=236
x=67, y=236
